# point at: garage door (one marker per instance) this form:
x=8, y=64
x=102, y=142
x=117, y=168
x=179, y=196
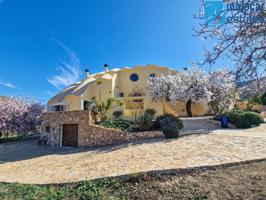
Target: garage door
x=70, y=135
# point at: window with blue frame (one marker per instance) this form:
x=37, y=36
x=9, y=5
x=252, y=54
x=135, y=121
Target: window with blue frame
x=152, y=75
x=134, y=77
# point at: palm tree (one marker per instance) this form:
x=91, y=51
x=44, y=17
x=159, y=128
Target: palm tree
x=99, y=82
x=101, y=109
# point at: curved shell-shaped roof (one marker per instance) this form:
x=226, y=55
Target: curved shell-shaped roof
x=80, y=87
x=76, y=89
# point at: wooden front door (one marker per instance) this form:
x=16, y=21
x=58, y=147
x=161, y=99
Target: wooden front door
x=70, y=135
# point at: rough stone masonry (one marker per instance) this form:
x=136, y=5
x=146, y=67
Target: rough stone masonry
x=89, y=135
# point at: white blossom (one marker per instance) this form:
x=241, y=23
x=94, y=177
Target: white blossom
x=181, y=86
x=195, y=85
x=253, y=89
x=19, y=115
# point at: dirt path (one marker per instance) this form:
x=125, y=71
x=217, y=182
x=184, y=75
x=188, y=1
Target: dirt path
x=26, y=162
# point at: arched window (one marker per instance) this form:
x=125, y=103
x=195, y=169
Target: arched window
x=152, y=75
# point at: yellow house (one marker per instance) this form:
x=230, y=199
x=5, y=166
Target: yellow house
x=128, y=85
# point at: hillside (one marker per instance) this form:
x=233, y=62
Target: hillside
x=3, y=97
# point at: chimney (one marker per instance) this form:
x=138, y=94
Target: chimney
x=105, y=68
x=87, y=72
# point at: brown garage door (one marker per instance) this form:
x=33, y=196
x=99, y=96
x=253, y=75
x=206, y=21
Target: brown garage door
x=70, y=135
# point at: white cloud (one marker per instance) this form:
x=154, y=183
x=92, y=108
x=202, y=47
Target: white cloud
x=68, y=72
x=7, y=84
x=49, y=93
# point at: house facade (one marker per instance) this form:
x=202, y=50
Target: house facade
x=128, y=85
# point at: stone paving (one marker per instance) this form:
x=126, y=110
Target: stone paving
x=26, y=162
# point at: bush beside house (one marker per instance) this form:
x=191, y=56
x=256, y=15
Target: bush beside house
x=171, y=127
x=244, y=119
x=121, y=124
x=169, y=124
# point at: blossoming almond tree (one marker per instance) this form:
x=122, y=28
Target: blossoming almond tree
x=222, y=90
x=241, y=42
x=162, y=88
x=194, y=86
x=189, y=86
x=253, y=89
x=19, y=116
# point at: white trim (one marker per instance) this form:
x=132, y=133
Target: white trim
x=57, y=104
x=61, y=135
x=81, y=102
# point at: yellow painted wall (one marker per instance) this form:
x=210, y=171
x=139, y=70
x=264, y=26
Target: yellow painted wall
x=104, y=90
x=72, y=102
x=179, y=109
x=243, y=105
x=117, y=82
x=124, y=84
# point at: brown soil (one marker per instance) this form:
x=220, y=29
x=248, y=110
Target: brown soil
x=247, y=181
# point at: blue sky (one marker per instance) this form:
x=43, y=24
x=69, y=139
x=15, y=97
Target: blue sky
x=40, y=39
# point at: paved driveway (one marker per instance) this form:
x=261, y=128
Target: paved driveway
x=27, y=162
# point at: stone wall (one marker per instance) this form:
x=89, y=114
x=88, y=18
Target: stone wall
x=89, y=135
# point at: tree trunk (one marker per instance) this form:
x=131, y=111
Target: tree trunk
x=189, y=108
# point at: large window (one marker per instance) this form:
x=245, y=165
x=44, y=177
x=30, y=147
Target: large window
x=152, y=75
x=86, y=105
x=134, y=104
x=59, y=108
x=134, y=77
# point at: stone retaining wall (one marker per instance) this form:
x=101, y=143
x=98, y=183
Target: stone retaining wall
x=89, y=135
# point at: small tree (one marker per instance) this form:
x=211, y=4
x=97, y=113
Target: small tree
x=222, y=90
x=253, y=89
x=144, y=120
x=189, y=86
x=161, y=88
x=19, y=116
x=192, y=87
x=263, y=99
x=217, y=88
x=242, y=43
x=101, y=109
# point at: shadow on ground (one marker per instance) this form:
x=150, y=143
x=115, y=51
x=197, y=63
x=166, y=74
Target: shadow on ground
x=29, y=148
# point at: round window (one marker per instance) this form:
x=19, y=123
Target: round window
x=152, y=75
x=134, y=77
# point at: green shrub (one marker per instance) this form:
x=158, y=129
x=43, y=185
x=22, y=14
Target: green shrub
x=263, y=99
x=144, y=120
x=151, y=111
x=171, y=127
x=244, y=119
x=121, y=124
x=156, y=124
x=117, y=114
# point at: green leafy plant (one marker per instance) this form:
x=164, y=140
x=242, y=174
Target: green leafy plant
x=263, y=99
x=151, y=111
x=217, y=110
x=164, y=116
x=257, y=100
x=144, y=120
x=101, y=109
x=121, y=124
x=244, y=119
x=171, y=127
x=117, y=114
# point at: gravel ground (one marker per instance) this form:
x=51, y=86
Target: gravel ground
x=27, y=162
